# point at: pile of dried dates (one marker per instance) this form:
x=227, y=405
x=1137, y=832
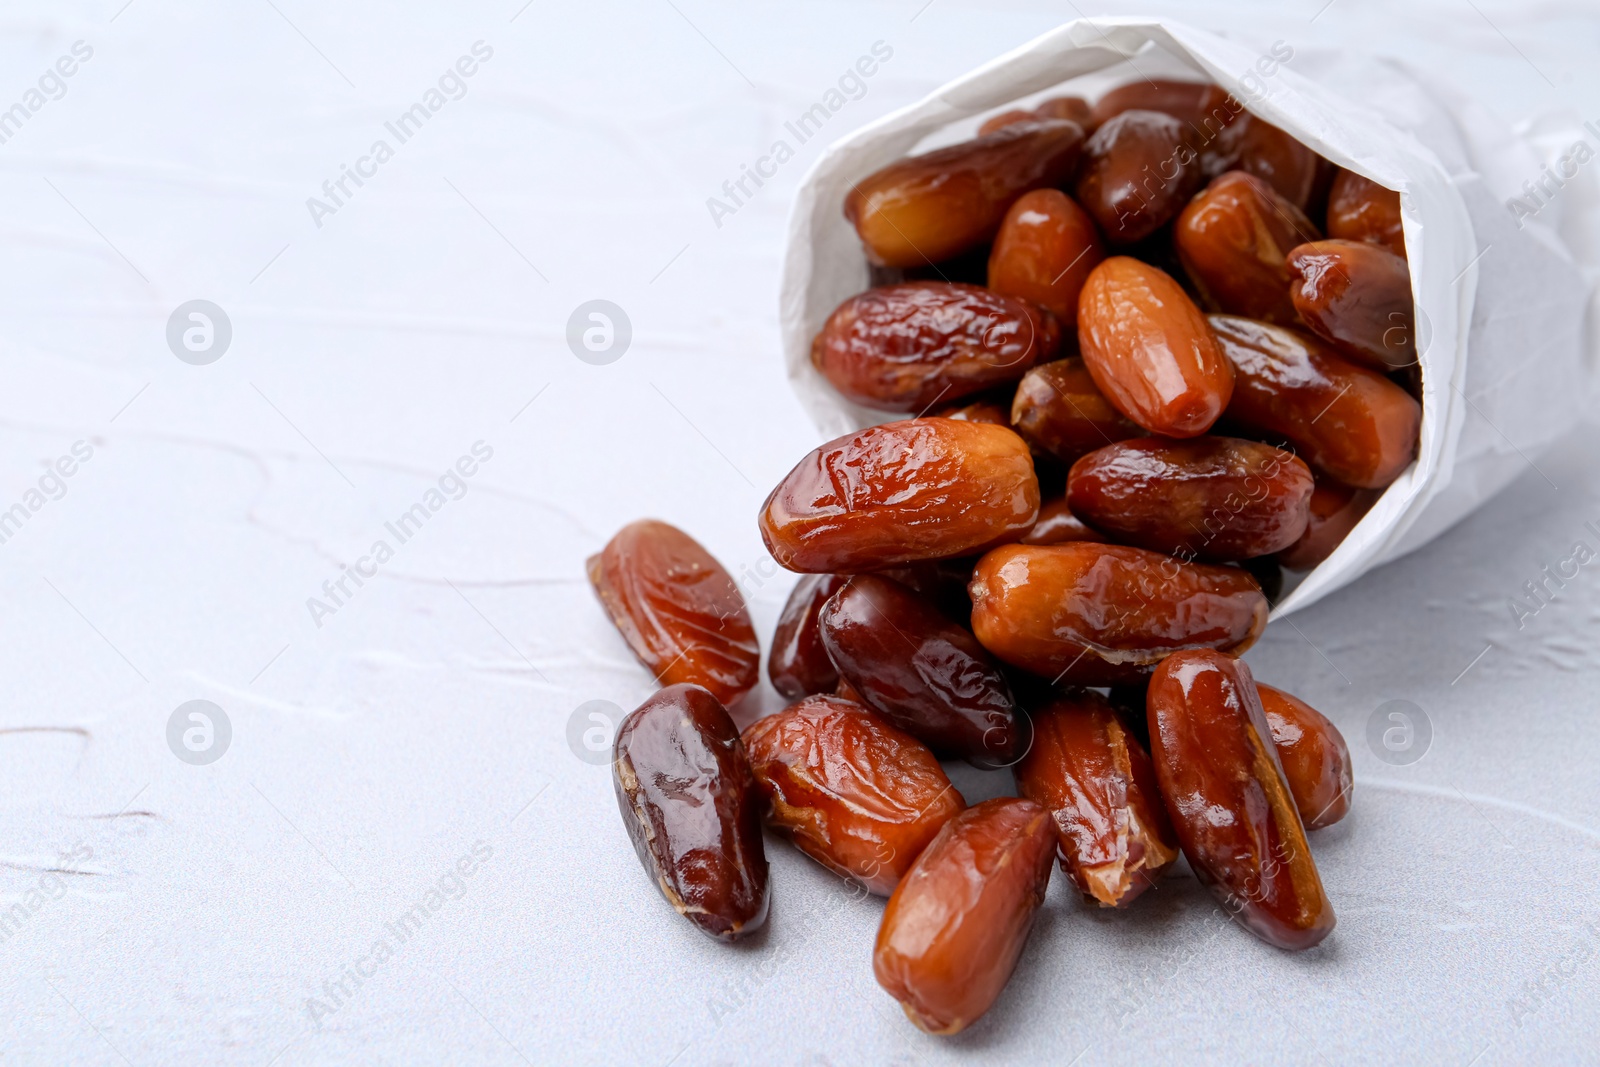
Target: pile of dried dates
x=1148, y=353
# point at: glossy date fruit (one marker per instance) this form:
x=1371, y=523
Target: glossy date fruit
x=1335, y=510
x=1138, y=171
x=957, y=923
x=1091, y=614
x=1256, y=147
x=1315, y=758
x=989, y=411
x=1346, y=421
x=677, y=608
x=1233, y=240
x=1356, y=296
x=1057, y=525
x=928, y=208
x=925, y=673
x=1224, y=787
x=1211, y=498
x=1073, y=108
x=1046, y=248
x=902, y=492
x=1359, y=209
x=1201, y=106
x=851, y=791
x=798, y=665
x=1150, y=350
x=1096, y=781
x=905, y=347
x=1059, y=410
x=691, y=807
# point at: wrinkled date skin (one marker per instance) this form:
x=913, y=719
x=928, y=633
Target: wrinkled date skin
x=1335, y=510
x=1059, y=410
x=1212, y=498
x=852, y=792
x=798, y=665
x=1348, y=422
x=1057, y=525
x=902, y=492
x=1359, y=209
x=1138, y=171
x=904, y=347
x=1259, y=148
x=690, y=804
x=677, y=608
x=1150, y=350
x=1044, y=252
x=1315, y=758
x=1233, y=240
x=1225, y=790
x=1357, y=296
x=931, y=207
x=1100, y=789
x=926, y=674
x=1089, y=614
x=957, y=923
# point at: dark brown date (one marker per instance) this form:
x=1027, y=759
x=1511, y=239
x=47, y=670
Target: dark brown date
x=1257, y=147
x=956, y=924
x=1356, y=296
x=1201, y=106
x=1060, y=411
x=1138, y=171
x=1233, y=240
x=924, y=673
x=1057, y=525
x=1225, y=790
x=1212, y=498
x=931, y=207
x=902, y=492
x=905, y=347
x=1044, y=252
x=677, y=608
x=1315, y=758
x=798, y=665
x=690, y=805
x=1346, y=421
x=1150, y=350
x=1335, y=510
x=850, y=790
x=1090, y=614
x=1097, y=783
x=1359, y=209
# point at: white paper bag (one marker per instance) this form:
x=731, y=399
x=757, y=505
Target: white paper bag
x=1500, y=301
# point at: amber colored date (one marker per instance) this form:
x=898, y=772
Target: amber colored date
x=1059, y=410
x=690, y=805
x=904, y=347
x=1359, y=209
x=1097, y=783
x=957, y=923
x=1213, y=498
x=1346, y=421
x=1044, y=252
x=1233, y=240
x=1138, y=171
x=1150, y=350
x=931, y=207
x=798, y=665
x=1057, y=525
x=850, y=790
x=1335, y=510
x=1356, y=296
x=1073, y=108
x=1090, y=614
x=1315, y=758
x=1256, y=147
x=1224, y=788
x=677, y=608
x=920, y=489
x=923, y=672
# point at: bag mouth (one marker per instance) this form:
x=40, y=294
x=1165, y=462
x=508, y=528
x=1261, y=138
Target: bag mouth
x=824, y=263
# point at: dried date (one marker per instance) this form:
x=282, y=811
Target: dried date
x=1356, y=296
x=1359, y=209
x=1138, y=171
x=1044, y=252
x=1060, y=411
x=1315, y=758
x=798, y=665
x=1335, y=510
x=1233, y=240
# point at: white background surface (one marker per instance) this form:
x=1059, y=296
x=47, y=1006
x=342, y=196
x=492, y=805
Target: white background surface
x=430, y=712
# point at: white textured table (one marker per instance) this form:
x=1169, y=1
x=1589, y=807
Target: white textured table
x=403, y=749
